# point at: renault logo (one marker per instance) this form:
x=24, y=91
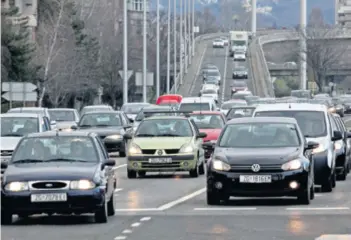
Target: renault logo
x=255, y=167
x=159, y=152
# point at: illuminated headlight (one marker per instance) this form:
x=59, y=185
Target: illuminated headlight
x=220, y=165
x=114, y=137
x=338, y=145
x=17, y=186
x=319, y=149
x=134, y=149
x=82, y=185
x=186, y=148
x=332, y=110
x=292, y=165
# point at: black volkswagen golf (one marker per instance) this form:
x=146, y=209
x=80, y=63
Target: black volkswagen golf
x=58, y=172
x=261, y=157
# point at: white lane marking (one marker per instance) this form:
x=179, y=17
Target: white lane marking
x=118, y=190
x=198, y=71
x=119, y=166
x=120, y=237
x=144, y=219
x=137, y=224
x=224, y=74
x=181, y=200
x=136, y=209
x=334, y=237
x=225, y=209
x=127, y=231
x=318, y=208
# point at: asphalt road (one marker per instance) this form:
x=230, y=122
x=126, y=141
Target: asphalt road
x=173, y=207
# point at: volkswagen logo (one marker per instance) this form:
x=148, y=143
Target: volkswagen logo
x=49, y=185
x=159, y=152
x=255, y=167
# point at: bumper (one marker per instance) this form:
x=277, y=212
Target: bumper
x=179, y=163
x=114, y=145
x=322, y=171
x=86, y=201
x=218, y=46
x=277, y=188
x=239, y=59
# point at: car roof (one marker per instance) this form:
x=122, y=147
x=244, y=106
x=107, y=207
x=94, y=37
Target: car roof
x=19, y=115
x=62, y=109
x=76, y=133
x=156, y=108
x=263, y=120
x=136, y=103
x=165, y=117
x=206, y=112
x=291, y=107
x=98, y=106
x=196, y=100
x=102, y=112
x=19, y=109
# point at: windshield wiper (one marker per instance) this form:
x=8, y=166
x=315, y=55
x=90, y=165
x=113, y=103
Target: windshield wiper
x=169, y=135
x=65, y=160
x=145, y=135
x=12, y=135
x=28, y=160
x=85, y=125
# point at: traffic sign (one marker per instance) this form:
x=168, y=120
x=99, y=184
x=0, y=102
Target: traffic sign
x=139, y=79
x=18, y=87
x=20, y=96
x=129, y=74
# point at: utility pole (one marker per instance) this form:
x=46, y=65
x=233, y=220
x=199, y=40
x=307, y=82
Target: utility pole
x=192, y=27
x=253, y=17
x=185, y=38
x=303, y=44
x=175, y=45
x=168, y=46
x=125, y=52
x=144, y=52
x=181, y=42
x=158, y=49
x=189, y=32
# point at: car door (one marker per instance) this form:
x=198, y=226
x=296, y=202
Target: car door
x=198, y=141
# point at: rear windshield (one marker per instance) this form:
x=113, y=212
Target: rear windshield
x=190, y=107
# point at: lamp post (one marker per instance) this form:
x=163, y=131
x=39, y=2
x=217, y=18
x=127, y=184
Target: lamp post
x=125, y=53
x=144, y=52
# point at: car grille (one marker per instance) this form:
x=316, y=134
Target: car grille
x=47, y=185
x=6, y=153
x=264, y=168
x=152, y=151
x=160, y=166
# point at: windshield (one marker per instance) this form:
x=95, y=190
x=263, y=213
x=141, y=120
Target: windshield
x=62, y=115
x=55, y=149
x=190, y=107
x=133, y=108
x=240, y=112
x=239, y=96
x=239, y=43
x=209, y=91
x=211, y=121
x=172, y=104
x=100, y=119
x=226, y=106
x=26, y=110
x=260, y=135
x=97, y=109
x=18, y=126
x=311, y=123
x=164, y=128
x=239, y=84
x=301, y=94
x=212, y=73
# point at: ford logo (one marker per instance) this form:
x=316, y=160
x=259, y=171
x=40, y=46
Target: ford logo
x=49, y=185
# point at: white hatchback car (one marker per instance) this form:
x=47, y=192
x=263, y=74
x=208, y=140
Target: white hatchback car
x=239, y=56
x=218, y=43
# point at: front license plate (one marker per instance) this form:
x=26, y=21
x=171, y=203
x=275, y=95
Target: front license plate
x=160, y=160
x=256, y=179
x=50, y=197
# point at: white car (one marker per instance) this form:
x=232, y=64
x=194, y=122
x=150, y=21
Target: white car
x=209, y=86
x=225, y=41
x=212, y=93
x=218, y=43
x=239, y=56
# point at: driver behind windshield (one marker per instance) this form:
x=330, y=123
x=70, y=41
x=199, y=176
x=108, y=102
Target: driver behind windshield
x=148, y=128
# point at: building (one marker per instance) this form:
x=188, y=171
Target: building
x=135, y=15
x=343, y=13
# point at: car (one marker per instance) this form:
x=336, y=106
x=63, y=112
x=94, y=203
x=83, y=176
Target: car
x=261, y=157
x=64, y=117
x=210, y=123
x=315, y=122
x=239, y=112
x=95, y=108
x=226, y=106
x=339, y=106
x=212, y=75
x=165, y=144
x=209, y=86
x=240, y=72
x=133, y=108
x=35, y=110
x=241, y=94
x=209, y=92
x=252, y=100
x=58, y=172
x=190, y=104
x=239, y=56
x=225, y=41
x=218, y=43
x=321, y=95
x=110, y=126
x=238, y=85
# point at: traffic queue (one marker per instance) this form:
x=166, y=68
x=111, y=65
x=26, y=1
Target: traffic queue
x=56, y=161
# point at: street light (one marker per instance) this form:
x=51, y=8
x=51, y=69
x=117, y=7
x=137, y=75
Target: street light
x=158, y=49
x=181, y=42
x=175, y=45
x=125, y=53
x=144, y=52
x=168, y=46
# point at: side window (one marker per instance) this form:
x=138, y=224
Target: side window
x=45, y=125
x=123, y=118
x=332, y=122
x=102, y=147
x=342, y=125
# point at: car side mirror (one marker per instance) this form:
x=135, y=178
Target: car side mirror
x=4, y=165
x=201, y=135
x=74, y=127
x=127, y=126
x=311, y=145
x=337, y=136
x=208, y=145
x=109, y=163
x=127, y=136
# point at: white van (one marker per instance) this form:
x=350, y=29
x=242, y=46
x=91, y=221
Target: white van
x=191, y=104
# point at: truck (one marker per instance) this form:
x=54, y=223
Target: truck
x=239, y=40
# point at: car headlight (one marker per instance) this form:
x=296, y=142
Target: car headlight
x=134, y=149
x=114, y=137
x=186, y=148
x=17, y=186
x=82, y=185
x=337, y=146
x=292, y=165
x=332, y=110
x=220, y=165
x=213, y=141
x=319, y=149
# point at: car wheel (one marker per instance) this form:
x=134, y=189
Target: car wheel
x=334, y=180
x=312, y=192
x=131, y=174
x=194, y=173
x=202, y=169
x=212, y=199
x=101, y=214
x=141, y=174
x=305, y=196
x=328, y=185
x=111, y=206
x=343, y=175
x=6, y=217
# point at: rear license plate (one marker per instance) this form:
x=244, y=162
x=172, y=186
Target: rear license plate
x=49, y=197
x=160, y=160
x=255, y=178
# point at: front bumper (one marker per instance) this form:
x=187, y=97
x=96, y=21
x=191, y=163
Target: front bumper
x=279, y=186
x=181, y=162
x=114, y=145
x=78, y=201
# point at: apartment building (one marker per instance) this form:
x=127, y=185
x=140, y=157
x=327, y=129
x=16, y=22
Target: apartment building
x=343, y=13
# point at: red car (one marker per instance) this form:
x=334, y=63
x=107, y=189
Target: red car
x=211, y=123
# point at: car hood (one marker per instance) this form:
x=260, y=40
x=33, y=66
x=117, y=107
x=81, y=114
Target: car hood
x=257, y=155
x=212, y=134
x=104, y=131
x=64, y=124
x=50, y=171
x=161, y=142
x=9, y=143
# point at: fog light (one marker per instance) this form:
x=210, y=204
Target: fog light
x=135, y=165
x=218, y=185
x=294, y=185
x=185, y=164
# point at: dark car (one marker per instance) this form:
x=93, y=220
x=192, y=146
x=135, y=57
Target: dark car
x=58, y=172
x=261, y=157
x=110, y=126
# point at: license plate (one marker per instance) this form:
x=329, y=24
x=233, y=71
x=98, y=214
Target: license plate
x=256, y=179
x=50, y=197
x=160, y=160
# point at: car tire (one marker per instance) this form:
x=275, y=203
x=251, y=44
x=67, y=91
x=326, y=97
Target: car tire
x=100, y=215
x=194, y=173
x=202, y=169
x=141, y=174
x=212, y=199
x=305, y=196
x=6, y=217
x=342, y=177
x=122, y=154
x=328, y=185
x=334, y=180
x=131, y=174
x=111, y=205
